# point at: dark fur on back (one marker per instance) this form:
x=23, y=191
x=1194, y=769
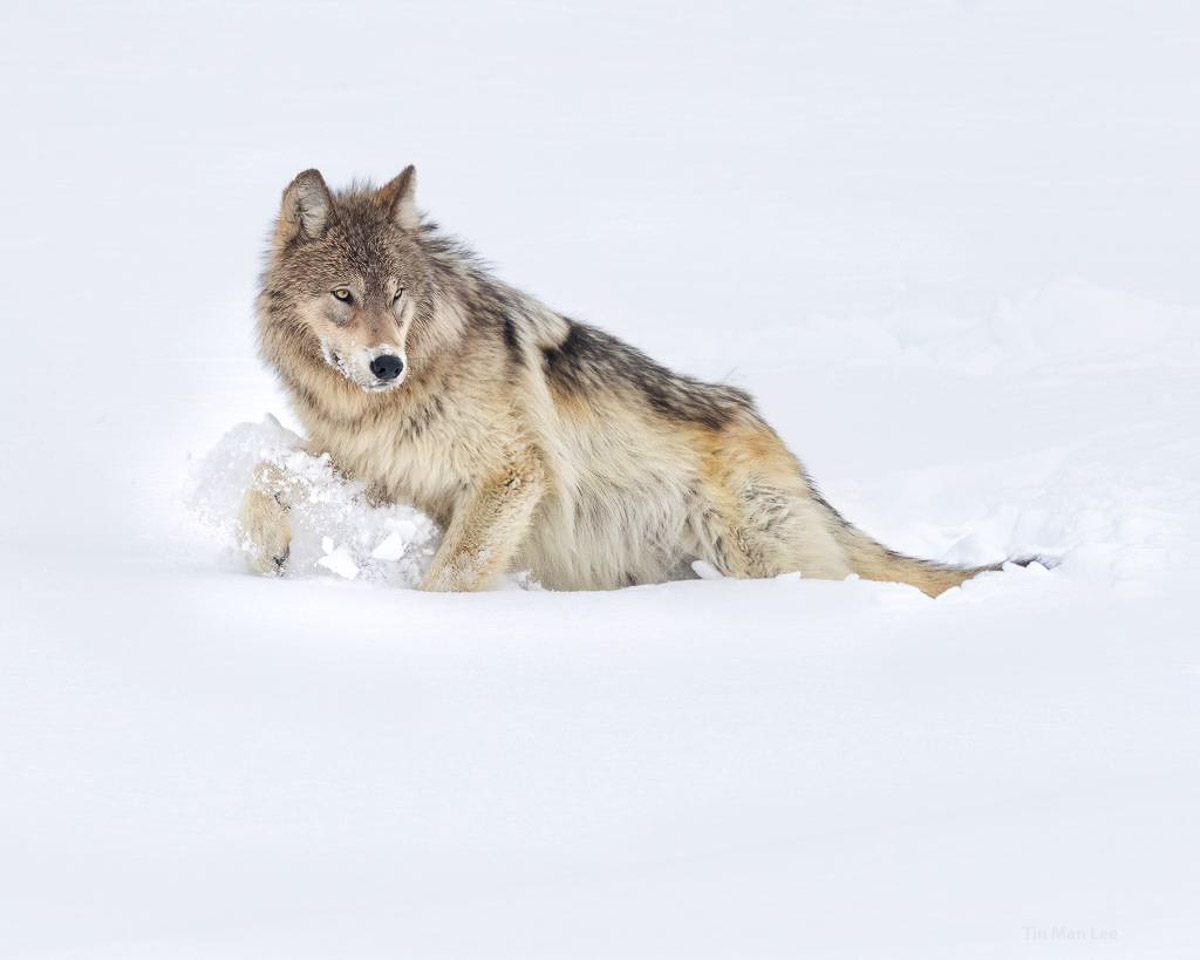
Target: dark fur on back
x=589, y=359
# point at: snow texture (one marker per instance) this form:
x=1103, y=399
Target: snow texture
x=335, y=528
x=949, y=246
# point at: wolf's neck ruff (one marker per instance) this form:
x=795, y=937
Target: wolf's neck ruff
x=535, y=440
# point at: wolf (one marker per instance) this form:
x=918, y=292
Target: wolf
x=537, y=441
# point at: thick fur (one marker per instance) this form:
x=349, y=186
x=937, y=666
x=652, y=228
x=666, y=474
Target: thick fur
x=537, y=441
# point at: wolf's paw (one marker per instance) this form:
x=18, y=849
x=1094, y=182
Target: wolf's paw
x=265, y=532
x=453, y=576
x=439, y=582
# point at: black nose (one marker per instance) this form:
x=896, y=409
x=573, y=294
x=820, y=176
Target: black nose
x=387, y=367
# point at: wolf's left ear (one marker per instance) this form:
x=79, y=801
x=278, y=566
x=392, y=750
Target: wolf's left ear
x=400, y=196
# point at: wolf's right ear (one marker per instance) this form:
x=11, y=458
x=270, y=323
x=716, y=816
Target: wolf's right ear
x=307, y=209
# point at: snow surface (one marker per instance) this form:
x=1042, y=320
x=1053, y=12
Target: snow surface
x=951, y=247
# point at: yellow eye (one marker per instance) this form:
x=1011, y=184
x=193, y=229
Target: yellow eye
x=341, y=293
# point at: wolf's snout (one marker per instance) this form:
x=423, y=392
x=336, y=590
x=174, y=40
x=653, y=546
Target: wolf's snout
x=387, y=366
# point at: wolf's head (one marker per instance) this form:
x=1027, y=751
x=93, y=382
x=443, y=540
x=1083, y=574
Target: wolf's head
x=349, y=273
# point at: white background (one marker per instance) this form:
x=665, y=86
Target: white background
x=952, y=248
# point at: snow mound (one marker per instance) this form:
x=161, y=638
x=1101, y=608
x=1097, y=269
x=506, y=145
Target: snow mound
x=336, y=530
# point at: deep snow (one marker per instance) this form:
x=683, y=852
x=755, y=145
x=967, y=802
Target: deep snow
x=951, y=249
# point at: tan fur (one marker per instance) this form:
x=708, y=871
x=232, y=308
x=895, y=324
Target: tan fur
x=537, y=442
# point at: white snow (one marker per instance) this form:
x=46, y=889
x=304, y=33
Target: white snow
x=950, y=246
x=335, y=527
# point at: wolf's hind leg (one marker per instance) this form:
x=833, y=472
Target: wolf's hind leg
x=756, y=517
x=488, y=528
x=758, y=531
x=729, y=538
x=263, y=525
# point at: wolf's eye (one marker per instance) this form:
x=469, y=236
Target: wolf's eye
x=341, y=293
x=399, y=294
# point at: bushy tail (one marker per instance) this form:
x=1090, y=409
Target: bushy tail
x=871, y=560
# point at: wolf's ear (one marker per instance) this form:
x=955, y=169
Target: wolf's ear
x=307, y=209
x=400, y=197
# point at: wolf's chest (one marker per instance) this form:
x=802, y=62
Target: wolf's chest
x=426, y=458
x=398, y=468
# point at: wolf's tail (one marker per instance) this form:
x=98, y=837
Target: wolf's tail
x=871, y=560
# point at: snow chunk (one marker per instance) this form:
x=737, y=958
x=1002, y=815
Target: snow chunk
x=391, y=548
x=336, y=530
x=338, y=559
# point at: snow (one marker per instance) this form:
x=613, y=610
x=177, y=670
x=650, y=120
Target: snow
x=951, y=249
x=335, y=527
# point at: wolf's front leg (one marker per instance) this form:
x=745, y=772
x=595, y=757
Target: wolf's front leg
x=488, y=527
x=263, y=525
